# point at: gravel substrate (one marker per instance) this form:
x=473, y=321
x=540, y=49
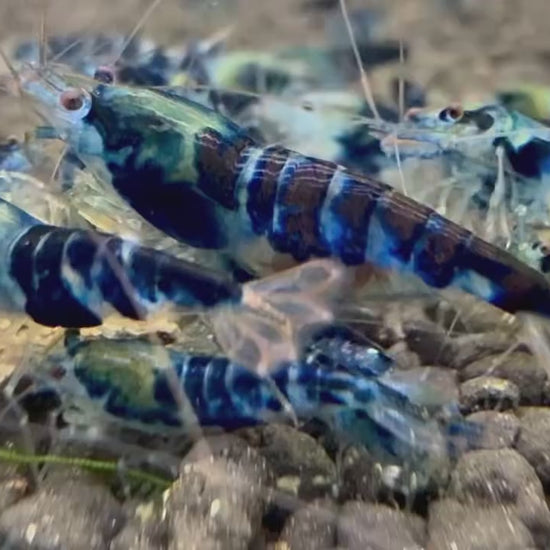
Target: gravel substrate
x=285, y=488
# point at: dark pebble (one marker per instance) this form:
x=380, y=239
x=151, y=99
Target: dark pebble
x=429, y=341
x=502, y=478
x=360, y=475
x=217, y=502
x=534, y=440
x=311, y=527
x=488, y=393
x=300, y=464
x=520, y=367
x=144, y=529
x=70, y=512
x=363, y=526
x=500, y=430
x=452, y=525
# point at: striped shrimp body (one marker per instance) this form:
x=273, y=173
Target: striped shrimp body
x=63, y=276
x=195, y=175
x=149, y=388
x=75, y=277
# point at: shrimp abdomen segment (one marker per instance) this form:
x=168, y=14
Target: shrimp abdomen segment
x=72, y=278
x=309, y=208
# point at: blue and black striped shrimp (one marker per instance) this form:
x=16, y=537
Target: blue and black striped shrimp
x=345, y=383
x=196, y=176
x=75, y=277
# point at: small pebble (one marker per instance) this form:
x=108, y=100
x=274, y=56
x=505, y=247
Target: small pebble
x=519, y=367
x=502, y=478
x=500, y=430
x=534, y=440
x=298, y=461
x=454, y=526
x=360, y=475
x=64, y=512
x=311, y=527
x=13, y=484
x=217, y=502
x=472, y=315
x=488, y=393
x=373, y=526
x=403, y=357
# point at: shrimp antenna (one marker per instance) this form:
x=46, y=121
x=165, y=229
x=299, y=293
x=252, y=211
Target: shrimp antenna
x=136, y=29
x=43, y=49
x=364, y=78
x=12, y=71
x=66, y=50
x=401, y=81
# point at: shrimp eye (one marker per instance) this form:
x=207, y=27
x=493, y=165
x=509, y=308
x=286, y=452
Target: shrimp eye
x=453, y=113
x=104, y=74
x=76, y=102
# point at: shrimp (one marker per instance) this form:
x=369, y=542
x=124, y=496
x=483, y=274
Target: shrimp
x=499, y=159
x=341, y=380
x=473, y=133
x=73, y=277
x=199, y=178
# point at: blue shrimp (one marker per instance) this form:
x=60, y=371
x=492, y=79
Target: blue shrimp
x=198, y=177
x=75, y=277
x=344, y=382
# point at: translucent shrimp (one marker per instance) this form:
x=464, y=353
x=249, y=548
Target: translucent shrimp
x=497, y=159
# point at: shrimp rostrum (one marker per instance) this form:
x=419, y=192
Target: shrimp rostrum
x=199, y=178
